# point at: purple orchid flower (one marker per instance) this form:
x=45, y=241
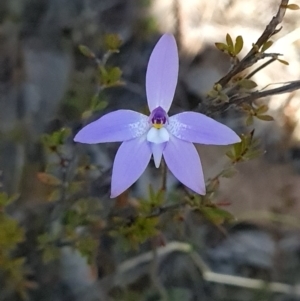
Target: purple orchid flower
x=158, y=135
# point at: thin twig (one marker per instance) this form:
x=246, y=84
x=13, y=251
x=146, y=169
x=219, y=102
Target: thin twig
x=264, y=65
x=251, y=58
x=154, y=267
x=132, y=269
x=286, y=88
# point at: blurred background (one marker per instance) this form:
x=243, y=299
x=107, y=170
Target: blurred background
x=46, y=83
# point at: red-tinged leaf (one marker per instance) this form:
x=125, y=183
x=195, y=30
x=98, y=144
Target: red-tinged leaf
x=48, y=179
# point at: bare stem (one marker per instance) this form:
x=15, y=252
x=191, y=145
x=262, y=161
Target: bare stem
x=164, y=175
x=154, y=274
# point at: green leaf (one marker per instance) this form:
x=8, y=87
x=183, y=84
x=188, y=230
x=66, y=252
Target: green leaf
x=223, y=97
x=249, y=120
x=262, y=109
x=139, y=231
x=230, y=155
x=54, y=195
x=11, y=233
x=56, y=138
x=4, y=199
x=87, y=114
x=87, y=246
x=213, y=93
x=246, y=107
x=112, y=42
x=292, y=6
x=239, y=43
x=86, y=51
x=110, y=77
x=229, y=172
x=266, y=46
x=50, y=253
x=97, y=104
x=247, y=84
x=265, y=117
x=283, y=62
x=221, y=46
x=229, y=41
x=216, y=215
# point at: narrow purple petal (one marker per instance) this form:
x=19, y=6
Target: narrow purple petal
x=131, y=160
x=116, y=126
x=183, y=161
x=162, y=73
x=198, y=128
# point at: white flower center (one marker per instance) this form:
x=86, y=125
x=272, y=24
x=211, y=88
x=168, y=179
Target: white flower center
x=158, y=136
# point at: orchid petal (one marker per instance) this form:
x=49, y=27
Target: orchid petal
x=130, y=162
x=162, y=73
x=198, y=128
x=158, y=135
x=157, y=151
x=116, y=126
x=183, y=161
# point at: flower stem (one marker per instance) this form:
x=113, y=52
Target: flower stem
x=164, y=175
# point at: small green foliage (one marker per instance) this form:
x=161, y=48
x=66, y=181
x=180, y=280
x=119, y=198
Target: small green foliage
x=54, y=140
x=247, y=84
x=86, y=51
x=266, y=46
x=11, y=235
x=291, y=6
x=239, y=43
x=282, y=61
x=156, y=199
x=110, y=77
x=112, y=42
x=258, y=112
x=48, y=246
x=216, y=215
x=229, y=41
x=50, y=253
x=97, y=104
x=5, y=200
x=245, y=150
x=217, y=94
x=265, y=117
x=87, y=246
x=232, y=49
x=137, y=231
x=228, y=172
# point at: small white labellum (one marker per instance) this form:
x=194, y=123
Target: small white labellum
x=158, y=135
